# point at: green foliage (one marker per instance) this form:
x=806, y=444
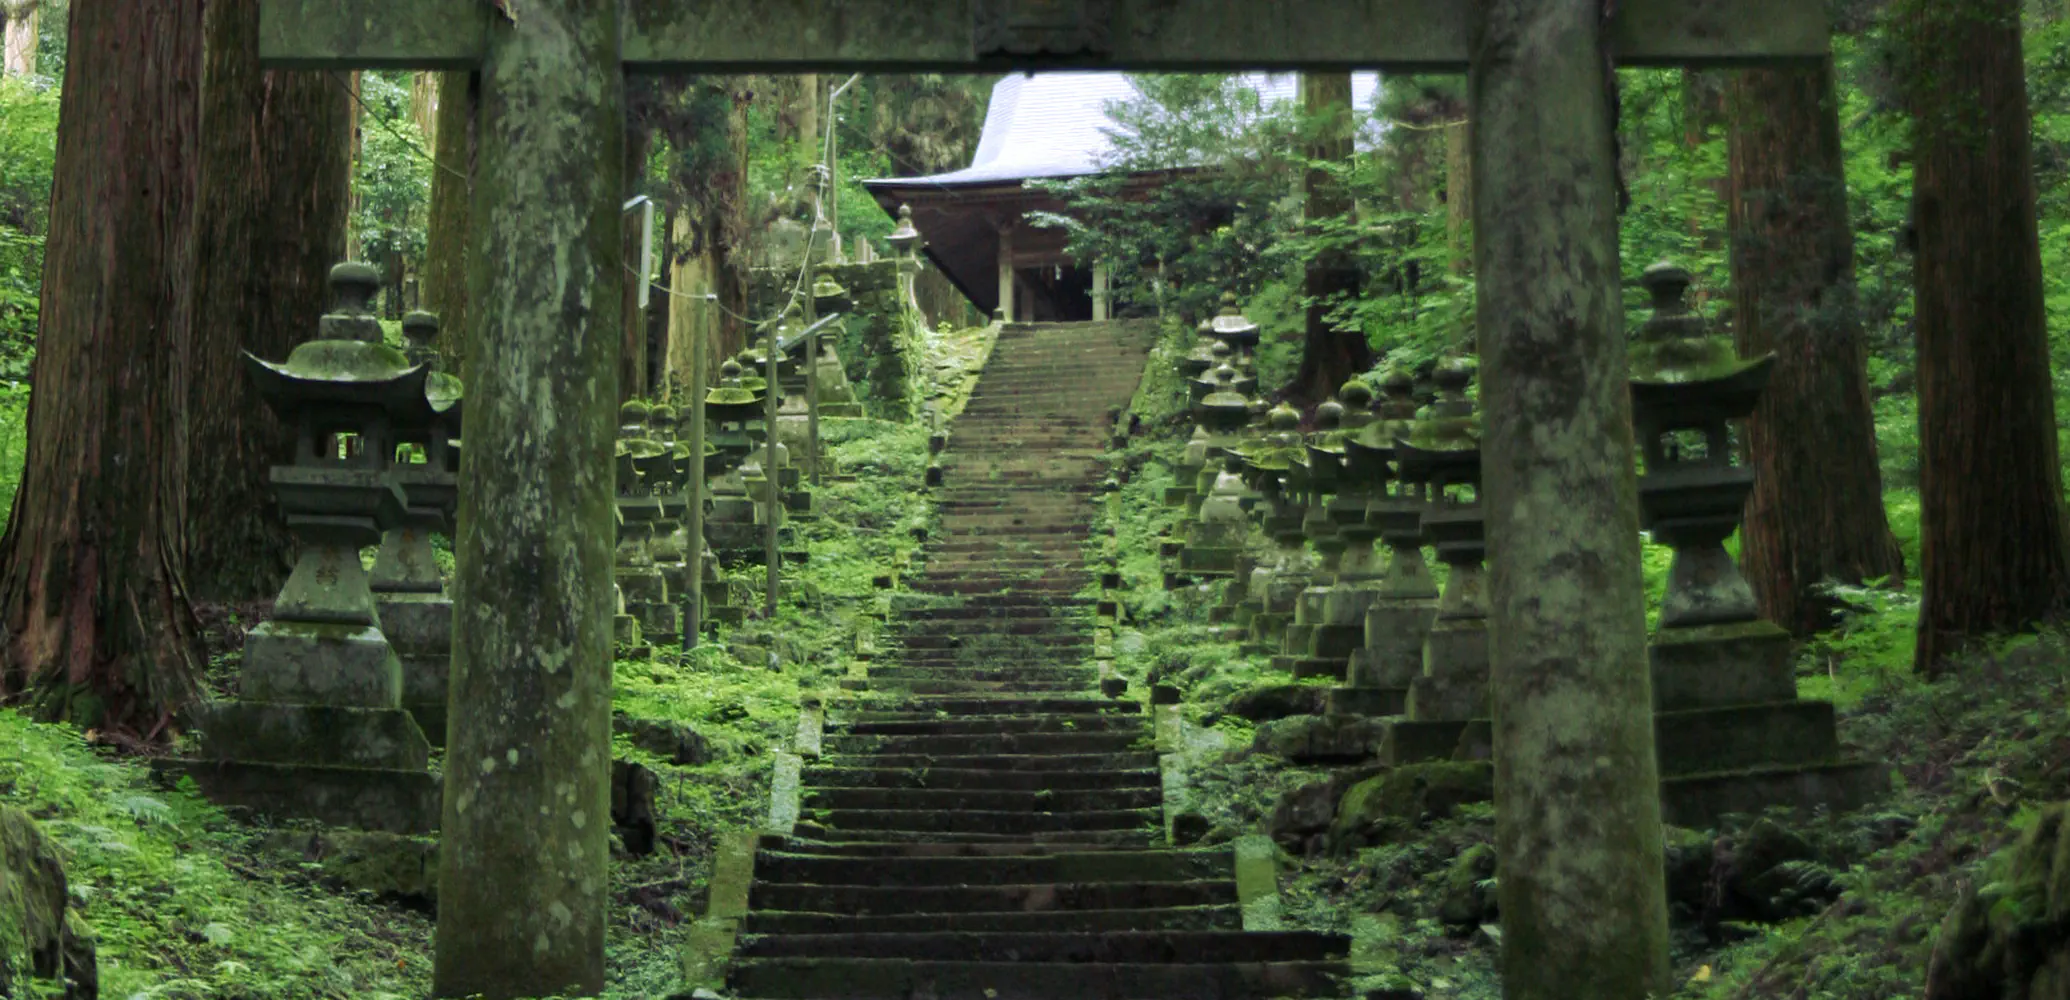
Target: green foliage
x=391, y=180
x=28, y=152
x=183, y=903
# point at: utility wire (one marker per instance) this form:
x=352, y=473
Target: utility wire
x=388, y=127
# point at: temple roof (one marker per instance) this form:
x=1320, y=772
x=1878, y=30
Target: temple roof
x=1037, y=126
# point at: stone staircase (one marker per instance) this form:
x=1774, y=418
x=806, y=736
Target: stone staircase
x=984, y=825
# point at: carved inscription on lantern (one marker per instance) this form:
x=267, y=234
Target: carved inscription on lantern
x=1043, y=27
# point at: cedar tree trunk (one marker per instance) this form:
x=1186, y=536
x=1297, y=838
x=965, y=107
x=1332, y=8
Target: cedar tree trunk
x=270, y=222
x=1993, y=553
x=1816, y=512
x=1329, y=355
x=98, y=626
x=446, y=232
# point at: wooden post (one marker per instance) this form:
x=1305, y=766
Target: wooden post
x=772, y=506
x=1006, y=271
x=693, y=528
x=1102, y=310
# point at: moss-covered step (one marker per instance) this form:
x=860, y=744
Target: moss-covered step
x=1224, y=916
x=1371, y=702
x=823, y=778
x=993, y=799
x=1062, y=867
x=899, y=979
x=1054, y=946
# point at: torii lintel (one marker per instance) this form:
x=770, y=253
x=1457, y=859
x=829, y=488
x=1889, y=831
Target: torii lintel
x=991, y=35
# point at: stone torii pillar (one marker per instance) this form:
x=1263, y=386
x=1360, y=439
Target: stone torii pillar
x=523, y=891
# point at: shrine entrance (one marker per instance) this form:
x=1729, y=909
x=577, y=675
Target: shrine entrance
x=523, y=887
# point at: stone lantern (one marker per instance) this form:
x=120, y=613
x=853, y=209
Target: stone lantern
x=735, y=412
x=1201, y=358
x=1270, y=467
x=1215, y=538
x=1731, y=733
x=1404, y=601
x=1232, y=327
x=669, y=546
x=640, y=462
x=1218, y=426
x=416, y=614
x=318, y=729
x=1319, y=481
x=1443, y=451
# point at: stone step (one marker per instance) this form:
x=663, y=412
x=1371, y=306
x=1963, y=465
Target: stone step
x=1063, y=867
x=871, y=899
x=1044, y=625
x=933, y=778
x=1060, y=946
x=1139, y=838
x=966, y=587
x=1005, y=608
x=1126, y=760
x=901, y=979
x=1226, y=916
x=962, y=687
x=975, y=725
x=949, y=664
x=991, y=822
x=994, y=800
x=891, y=709
x=964, y=744
x=1059, y=638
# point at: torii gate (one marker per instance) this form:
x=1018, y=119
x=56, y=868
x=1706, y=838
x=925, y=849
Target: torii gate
x=522, y=895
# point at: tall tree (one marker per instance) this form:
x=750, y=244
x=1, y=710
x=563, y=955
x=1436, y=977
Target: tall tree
x=446, y=230
x=705, y=123
x=18, y=19
x=99, y=629
x=270, y=222
x=1994, y=555
x=1816, y=512
x=1331, y=352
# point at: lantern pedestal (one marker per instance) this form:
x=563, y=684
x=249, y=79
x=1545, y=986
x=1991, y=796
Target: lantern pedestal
x=416, y=613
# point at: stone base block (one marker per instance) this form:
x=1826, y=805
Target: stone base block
x=1320, y=739
x=1476, y=741
x=730, y=615
x=1308, y=609
x=1455, y=697
x=425, y=678
x=390, y=801
x=1269, y=627
x=1742, y=664
x=658, y=621
x=1202, y=560
x=1457, y=650
x=1779, y=734
x=1394, y=641
x=416, y=623
x=1336, y=642
x=840, y=410
x=1415, y=742
x=1698, y=801
x=321, y=735
x=1176, y=496
x=802, y=504
x=1372, y=702
x=642, y=585
x=431, y=720
x=1319, y=666
x=298, y=663
x=1294, y=641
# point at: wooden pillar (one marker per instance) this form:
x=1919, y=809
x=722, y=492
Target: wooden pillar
x=1577, y=805
x=524, y=882
x=1006, y=303
x=1102, y=303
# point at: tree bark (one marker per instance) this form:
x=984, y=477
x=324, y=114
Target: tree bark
x=1330, y=353
x=632, y=370
x=270, y=222
x=522, y=905
x=424, y=106
x=1816, y=512
x=446, y=236
x=98, y=626
x=1993, y=553
x=21, y=18
x=1459, y=193
x=1577, y=788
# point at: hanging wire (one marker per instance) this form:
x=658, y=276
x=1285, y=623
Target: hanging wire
x=389, y=127
x=804, y=267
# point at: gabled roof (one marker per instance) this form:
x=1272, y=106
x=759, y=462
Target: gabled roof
x=1038, y=126
x=1056, y=125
